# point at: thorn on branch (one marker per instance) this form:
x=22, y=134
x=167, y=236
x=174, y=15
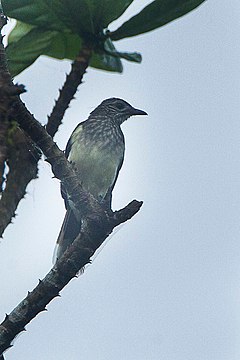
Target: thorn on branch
x=11, y=90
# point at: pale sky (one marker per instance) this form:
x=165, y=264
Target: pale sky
x=167, y=284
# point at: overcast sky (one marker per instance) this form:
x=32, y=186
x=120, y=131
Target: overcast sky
x=167, y=284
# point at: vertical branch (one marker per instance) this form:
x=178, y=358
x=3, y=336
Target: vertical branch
x=22, y=156
x=3, y=119
x=15, y=149
x=66, y=94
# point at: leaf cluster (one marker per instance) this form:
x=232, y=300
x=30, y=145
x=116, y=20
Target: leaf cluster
x=59, y=28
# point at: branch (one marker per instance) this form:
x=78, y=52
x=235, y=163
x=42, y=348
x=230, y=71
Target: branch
x=3, y=150
x=18, y=178
x=96, y=227
x=17, y=150
x=96, y=223
x=66, y=94
x=22, y=155
x=77, y=255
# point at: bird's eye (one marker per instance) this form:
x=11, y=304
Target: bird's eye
x=120, y=106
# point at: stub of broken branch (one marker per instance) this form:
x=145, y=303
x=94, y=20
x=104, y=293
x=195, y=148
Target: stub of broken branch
x=127, y=212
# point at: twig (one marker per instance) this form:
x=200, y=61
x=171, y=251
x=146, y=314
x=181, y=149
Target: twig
x=66, y=94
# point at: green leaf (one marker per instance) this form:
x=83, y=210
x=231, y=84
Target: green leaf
x=27, y=43
x=134, y=57
x=153, y=16
x=105, y=55
x=90, y=16
x=27, y=49
x=67, y=45
x=39, y=13
x=19, y=30
x=79, y=16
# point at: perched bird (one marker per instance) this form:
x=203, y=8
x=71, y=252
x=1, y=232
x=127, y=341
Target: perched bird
x=96, y=150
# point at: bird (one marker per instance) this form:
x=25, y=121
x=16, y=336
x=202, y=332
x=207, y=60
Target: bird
x=96, y=151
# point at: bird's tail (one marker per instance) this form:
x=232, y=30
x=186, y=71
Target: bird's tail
x=69, y=231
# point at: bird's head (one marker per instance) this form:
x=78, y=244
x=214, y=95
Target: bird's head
x=117, y=109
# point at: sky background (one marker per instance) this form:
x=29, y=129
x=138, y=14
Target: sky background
x=167, y=284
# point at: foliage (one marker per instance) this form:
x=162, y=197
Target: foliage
x=58, y=28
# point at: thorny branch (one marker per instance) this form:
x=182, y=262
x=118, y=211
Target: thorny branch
x=3, y=150
x=96, y=227
x=66, y=94
x=3, y=117
x=77, y=255
x=21, y=154
x=14, y=146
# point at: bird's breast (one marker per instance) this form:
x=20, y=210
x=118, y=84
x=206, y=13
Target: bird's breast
x=96, y=162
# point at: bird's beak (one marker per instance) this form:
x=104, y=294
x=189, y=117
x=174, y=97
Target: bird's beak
x=138, y=112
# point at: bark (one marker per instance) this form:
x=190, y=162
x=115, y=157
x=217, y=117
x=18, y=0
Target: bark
x=77, y=255
x=3, y=149
x=14, y=152
x=22, y=155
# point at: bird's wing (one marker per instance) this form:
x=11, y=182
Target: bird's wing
x=71, y=139
x=69, y=145
x=108, y=196
x=71, y=225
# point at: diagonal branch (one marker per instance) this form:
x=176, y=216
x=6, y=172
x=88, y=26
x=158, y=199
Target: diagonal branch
x=66, y=94
x=77, y=255
x=97, y=225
